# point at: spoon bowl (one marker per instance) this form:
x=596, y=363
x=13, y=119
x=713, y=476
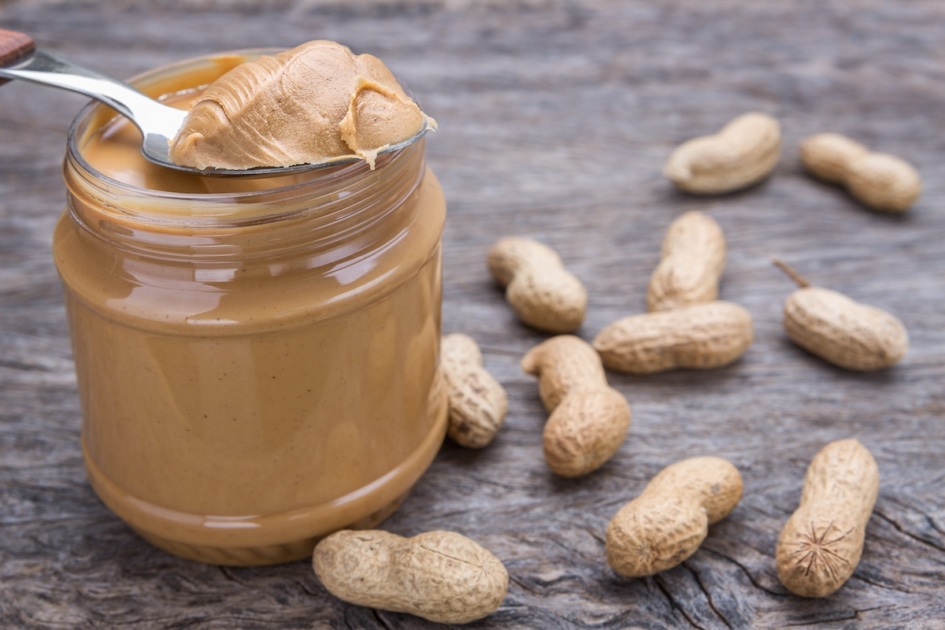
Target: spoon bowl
x=158, y=123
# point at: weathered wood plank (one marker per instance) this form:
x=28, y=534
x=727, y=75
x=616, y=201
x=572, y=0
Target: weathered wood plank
x=555, y=119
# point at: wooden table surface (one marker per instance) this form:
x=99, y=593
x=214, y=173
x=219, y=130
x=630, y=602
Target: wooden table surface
x=555, y=120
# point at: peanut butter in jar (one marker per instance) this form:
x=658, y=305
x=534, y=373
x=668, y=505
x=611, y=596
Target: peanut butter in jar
x=257, y=359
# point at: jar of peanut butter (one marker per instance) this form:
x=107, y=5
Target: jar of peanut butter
x=257, y=359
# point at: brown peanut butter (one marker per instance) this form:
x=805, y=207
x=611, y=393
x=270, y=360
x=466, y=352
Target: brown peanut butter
x=314, y=103
x=257, y=359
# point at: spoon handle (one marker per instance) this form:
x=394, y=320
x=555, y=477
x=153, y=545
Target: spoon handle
x=13, y=47
x=22, y=60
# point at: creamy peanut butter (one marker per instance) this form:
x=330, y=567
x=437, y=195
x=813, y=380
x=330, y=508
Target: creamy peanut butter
x=257, y=360
x=314, y=103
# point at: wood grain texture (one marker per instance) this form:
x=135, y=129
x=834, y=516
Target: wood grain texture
x=555, y=121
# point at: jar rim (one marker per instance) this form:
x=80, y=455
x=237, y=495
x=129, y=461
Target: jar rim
x=322, y=176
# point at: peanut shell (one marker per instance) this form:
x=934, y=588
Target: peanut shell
x=477, y=402
x=700, y=336
x=669, y=520
x=589, y=420
x=543, y=294
x=878, y=180
x=842, y=331
x=691, y=263
x=744, y=152
x=822, y=543
x=441, y=576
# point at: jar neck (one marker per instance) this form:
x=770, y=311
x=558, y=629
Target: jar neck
x=328, y=212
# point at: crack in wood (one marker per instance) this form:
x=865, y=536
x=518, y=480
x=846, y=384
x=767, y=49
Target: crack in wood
x=593, y=533
x=747, y=573
x=25, y=367
x=380, y=619
x=526, y=585
x=708, y=595
x=878, y=584
x=228, y=575
x=899, y=528
x=934, y=525
x=825, y=621
x=658, y=580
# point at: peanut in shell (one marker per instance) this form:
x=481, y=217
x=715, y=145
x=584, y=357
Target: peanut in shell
x=691, y=263
x=700, y=336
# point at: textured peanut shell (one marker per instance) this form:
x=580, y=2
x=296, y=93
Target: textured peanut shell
x=842, y=331
x=884, y=182
x=827, y=156
x=878, y=180
x=589, y=420
x=477, y=402
x=821, y=544
x=441, y=576
x=744, y=152
x=585, y=430
x=700, y=336
x=691, y=263
x=668, y=522
x=562, y=364
x=543, y=294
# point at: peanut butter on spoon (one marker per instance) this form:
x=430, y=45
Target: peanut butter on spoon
x=316, y=103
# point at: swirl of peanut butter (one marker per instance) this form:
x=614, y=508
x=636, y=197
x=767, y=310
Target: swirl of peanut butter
x=315, y=103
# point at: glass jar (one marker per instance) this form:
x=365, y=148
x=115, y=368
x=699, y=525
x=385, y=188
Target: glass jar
x=257, y=367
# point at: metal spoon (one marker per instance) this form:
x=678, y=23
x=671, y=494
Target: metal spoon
x=158, y=123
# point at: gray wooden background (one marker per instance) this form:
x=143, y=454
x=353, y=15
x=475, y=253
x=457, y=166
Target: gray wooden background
x=555, y=120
